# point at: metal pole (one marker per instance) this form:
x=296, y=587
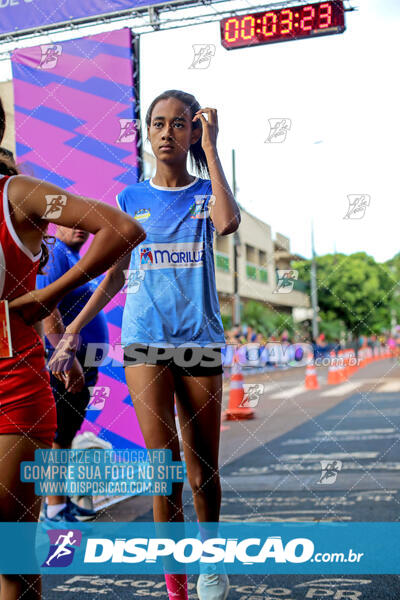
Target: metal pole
x=136, y=91
x=314, y=293
x=236, y=241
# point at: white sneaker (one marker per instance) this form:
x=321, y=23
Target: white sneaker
x=212, y=585
x=88, y=440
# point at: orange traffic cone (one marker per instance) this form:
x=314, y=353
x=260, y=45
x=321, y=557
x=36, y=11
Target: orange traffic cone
x=342, y=376
x=367, y=356
x=348, y=370
x=311, y=381
x=361, y=357
x=345, y=364
x=236, y=411
x=352, y=361
x=371, y=355
x=333, y=370
x=349, y=365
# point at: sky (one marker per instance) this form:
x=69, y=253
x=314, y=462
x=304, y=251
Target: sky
x=341, y=95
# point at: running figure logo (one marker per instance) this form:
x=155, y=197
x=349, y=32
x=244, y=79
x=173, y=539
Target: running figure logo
x=54, y=207
x=286, y=279
x=98, y=396
x=357, y=206
x=203, y=54
x=278, y=130
x=62, y=542
x=330, y=470
x=64, y=356
x=146, y=256
x=50, y=54
x=252, y=393
x=133, y=280
x=128, y=130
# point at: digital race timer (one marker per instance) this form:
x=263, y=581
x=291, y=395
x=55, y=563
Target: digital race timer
x=297, y=22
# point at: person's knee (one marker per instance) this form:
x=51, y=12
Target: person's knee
x=174, y=498
x=204, y=482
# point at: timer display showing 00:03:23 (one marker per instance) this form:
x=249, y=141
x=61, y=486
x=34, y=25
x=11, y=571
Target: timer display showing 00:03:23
x=280, y=25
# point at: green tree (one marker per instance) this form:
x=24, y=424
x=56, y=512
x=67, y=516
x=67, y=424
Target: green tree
x=265, y=320
x=394, y=269
x=226, y=321
x=354, y=290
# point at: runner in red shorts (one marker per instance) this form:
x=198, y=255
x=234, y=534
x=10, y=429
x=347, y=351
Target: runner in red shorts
x=27, y=408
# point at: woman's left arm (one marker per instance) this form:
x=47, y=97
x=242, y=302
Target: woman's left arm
x=224, y=211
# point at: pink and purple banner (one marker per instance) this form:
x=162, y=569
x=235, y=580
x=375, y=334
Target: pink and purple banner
x=75, y=122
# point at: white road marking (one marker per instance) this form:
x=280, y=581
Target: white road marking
x=389, y=386
x=271, y=389
x=291, y=393
x=345, y=388
x=325, y=456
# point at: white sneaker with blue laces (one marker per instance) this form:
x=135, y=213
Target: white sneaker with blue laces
x=212, y=585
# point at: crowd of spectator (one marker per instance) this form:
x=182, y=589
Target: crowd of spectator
x=244, y=335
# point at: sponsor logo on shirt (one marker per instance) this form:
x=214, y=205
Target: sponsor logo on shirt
x=142, y=214
x=176, y=255
x=146, y=256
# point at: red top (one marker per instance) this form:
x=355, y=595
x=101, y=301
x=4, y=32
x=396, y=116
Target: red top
x=18, y=269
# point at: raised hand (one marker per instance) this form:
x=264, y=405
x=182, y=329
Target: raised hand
x=210, y=127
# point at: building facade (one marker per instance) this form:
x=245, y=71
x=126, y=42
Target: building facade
x=259, y=257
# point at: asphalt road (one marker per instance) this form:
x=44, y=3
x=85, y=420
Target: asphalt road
x=271, y=471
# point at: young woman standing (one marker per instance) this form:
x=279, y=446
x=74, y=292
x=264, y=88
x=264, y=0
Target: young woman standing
x=175, y=303
x=27, y=408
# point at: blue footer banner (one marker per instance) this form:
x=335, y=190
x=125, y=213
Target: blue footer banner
x=241, y=548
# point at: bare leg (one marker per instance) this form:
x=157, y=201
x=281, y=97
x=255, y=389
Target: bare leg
x=58, y=499
x=18, y=502
x=199, y=409
x=152, y=393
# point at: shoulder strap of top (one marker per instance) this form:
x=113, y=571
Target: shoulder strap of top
x=3, y=179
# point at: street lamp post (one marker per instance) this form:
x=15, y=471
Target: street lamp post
x=314, y=293
x=236, y=243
